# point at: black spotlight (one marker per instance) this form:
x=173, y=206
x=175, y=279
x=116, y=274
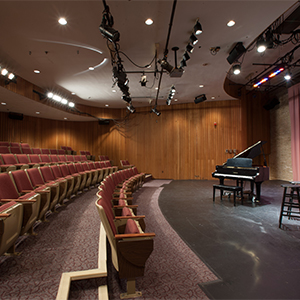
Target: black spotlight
x=109, y=33
x=166, y=66
x=189, y=48
x=131, y=108
x=198, y=28
x=200, y=98
x=193, y=39
x=236, y=69
x=182, y=63
x=186, y=56
x=143, y=80
x=155, y=111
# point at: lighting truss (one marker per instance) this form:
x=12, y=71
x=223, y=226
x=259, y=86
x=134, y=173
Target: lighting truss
x=274, y=73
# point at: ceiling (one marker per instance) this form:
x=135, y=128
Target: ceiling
x=32, y=38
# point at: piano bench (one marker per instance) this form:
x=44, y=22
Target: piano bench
x=234, y=189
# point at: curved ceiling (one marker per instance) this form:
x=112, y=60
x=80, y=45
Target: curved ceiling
x=33, y=39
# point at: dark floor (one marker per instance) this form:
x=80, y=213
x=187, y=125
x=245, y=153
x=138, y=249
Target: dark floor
x=243, y=245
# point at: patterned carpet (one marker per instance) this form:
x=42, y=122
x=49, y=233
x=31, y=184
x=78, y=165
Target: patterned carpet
x=69, y=242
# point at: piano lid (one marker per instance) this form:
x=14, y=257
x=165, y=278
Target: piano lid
x=252, y=151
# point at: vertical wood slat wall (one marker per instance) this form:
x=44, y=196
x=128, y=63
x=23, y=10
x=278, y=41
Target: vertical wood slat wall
x=182, y=143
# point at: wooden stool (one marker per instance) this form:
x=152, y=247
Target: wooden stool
x=288, y=203
x=234, y=189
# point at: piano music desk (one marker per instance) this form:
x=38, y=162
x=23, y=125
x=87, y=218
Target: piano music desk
x=231, y=188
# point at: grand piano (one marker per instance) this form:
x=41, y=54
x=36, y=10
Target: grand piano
x=240, y=168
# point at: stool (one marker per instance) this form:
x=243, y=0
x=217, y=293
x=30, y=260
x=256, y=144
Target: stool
x=234, y=189
x=288, y=203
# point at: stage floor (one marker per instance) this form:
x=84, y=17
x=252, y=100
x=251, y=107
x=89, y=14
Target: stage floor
x=242, y=245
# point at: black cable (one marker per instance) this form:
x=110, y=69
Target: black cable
x=142, y=67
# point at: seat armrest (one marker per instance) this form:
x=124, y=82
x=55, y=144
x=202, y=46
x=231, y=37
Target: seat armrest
x=4, y=215
x=130, y=217
x=18, y=200
x=129, y=206
x=135, y=235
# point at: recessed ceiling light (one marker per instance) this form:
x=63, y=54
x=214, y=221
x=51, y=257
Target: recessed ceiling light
x=91, y=68
x=201, y=86
x=62, y=21
x=3, y=103
x=212, y=97
x=149, y=22
x=175, y=99
x=37, y=112
x=106, y=105
x=37, y=71
x=65, y=118
x=230, y=23
x=64, y=101
x=73, y=93
x=114, y=91
x=71, y=104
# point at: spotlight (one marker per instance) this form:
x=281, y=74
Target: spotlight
x=182, y=63
x=186, y=56
x=261, y=44
x=287, y=75
x=126, y=99
x=155, y=111
x=4, y=72
x=11, y=76
x=165, y=65
x=189, y=48
x=200, y=98
x=131, y=108
x=236, y=69
x=193, y=39
x=110, y=33
x=143, y=80
x=198, y=28
x=64, y=101
x=50, y=95
x=71, y=104
x=57, y=98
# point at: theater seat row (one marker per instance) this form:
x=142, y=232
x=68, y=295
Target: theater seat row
x=130, y=245
x=16, y=161
x=28, y=195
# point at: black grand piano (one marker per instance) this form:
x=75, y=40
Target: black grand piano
x=240, y=168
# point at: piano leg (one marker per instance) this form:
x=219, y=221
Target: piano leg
x=258, y=188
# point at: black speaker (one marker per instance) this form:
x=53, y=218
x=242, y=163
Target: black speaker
x=236, y=52
x=103, y=122
x=271, y=103
x=15, y=116
x=200, y=98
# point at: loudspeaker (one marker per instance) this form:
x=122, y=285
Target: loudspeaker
x=236, y=52
x=103, y=122
x=271, y=103
x=200, y=98
x=15, y=116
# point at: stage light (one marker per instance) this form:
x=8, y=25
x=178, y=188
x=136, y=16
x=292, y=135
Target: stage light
x=4, y=72
x=274, y=73
x=131, y=108
x=62, y=21
x=198, y=28
x=126, y=99
x=182, y=63
x=71, y=104
x=11, y=76
x=186, y=56
x=64, y=101
x=193, y=39
x=50, y=95
x=155, y=111
x=261, y=44
x=109, y=33
x=165, y=65
x=57, y=98
x=287, y=75
x=143, y=80
x=189, y=48
x=200, y=98
x=236, y=69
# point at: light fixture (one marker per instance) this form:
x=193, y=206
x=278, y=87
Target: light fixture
x=3, y=103
x=11, y=76
x=149, y=22
x=197, y=28
x=62, y=21
x=287, y=75
x=236, y=69
x=143, y=80
x=189, y=48
x=50, y=95
x=109, y=33
x=57, y=98
x=106, y=105
x=186, y=56
x=131, y=108
x=71, y=104
x=201, y=86
x=171, y=95
x=37, y=71
x=64, y=101
x=193, y=39
x=230, y=23
x=200, y=98
x=4, y=72
x=155, y=111
x=165, y=65
x=73, y=93
x=126, y=98
x=261, y=44
x=182, y=63
x=37, y=112
x=91, y=68
x=275, y=72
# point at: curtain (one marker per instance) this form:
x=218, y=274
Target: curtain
x=294, y=106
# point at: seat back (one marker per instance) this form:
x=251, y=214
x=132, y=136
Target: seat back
x=36, y=151
x=47, y=174
x=62, y=157
x=83, y=158
x=22, y=158
x=45, y=151
x=21, y=180
x=6, y=144
x=34, y=158
x=72, y=168
x=53, y=151
x=24, y=145
x=56, y=171
x=26, y=150
x=35, y=177
x=14, y=144
x=7, y=188
x=4, y=149
x=9, y=159
x=53, y=158
x=70, y=158
x=61, y=152
x=65, y=170
x=15, y=150
x=77, y=158
x=45, y=158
